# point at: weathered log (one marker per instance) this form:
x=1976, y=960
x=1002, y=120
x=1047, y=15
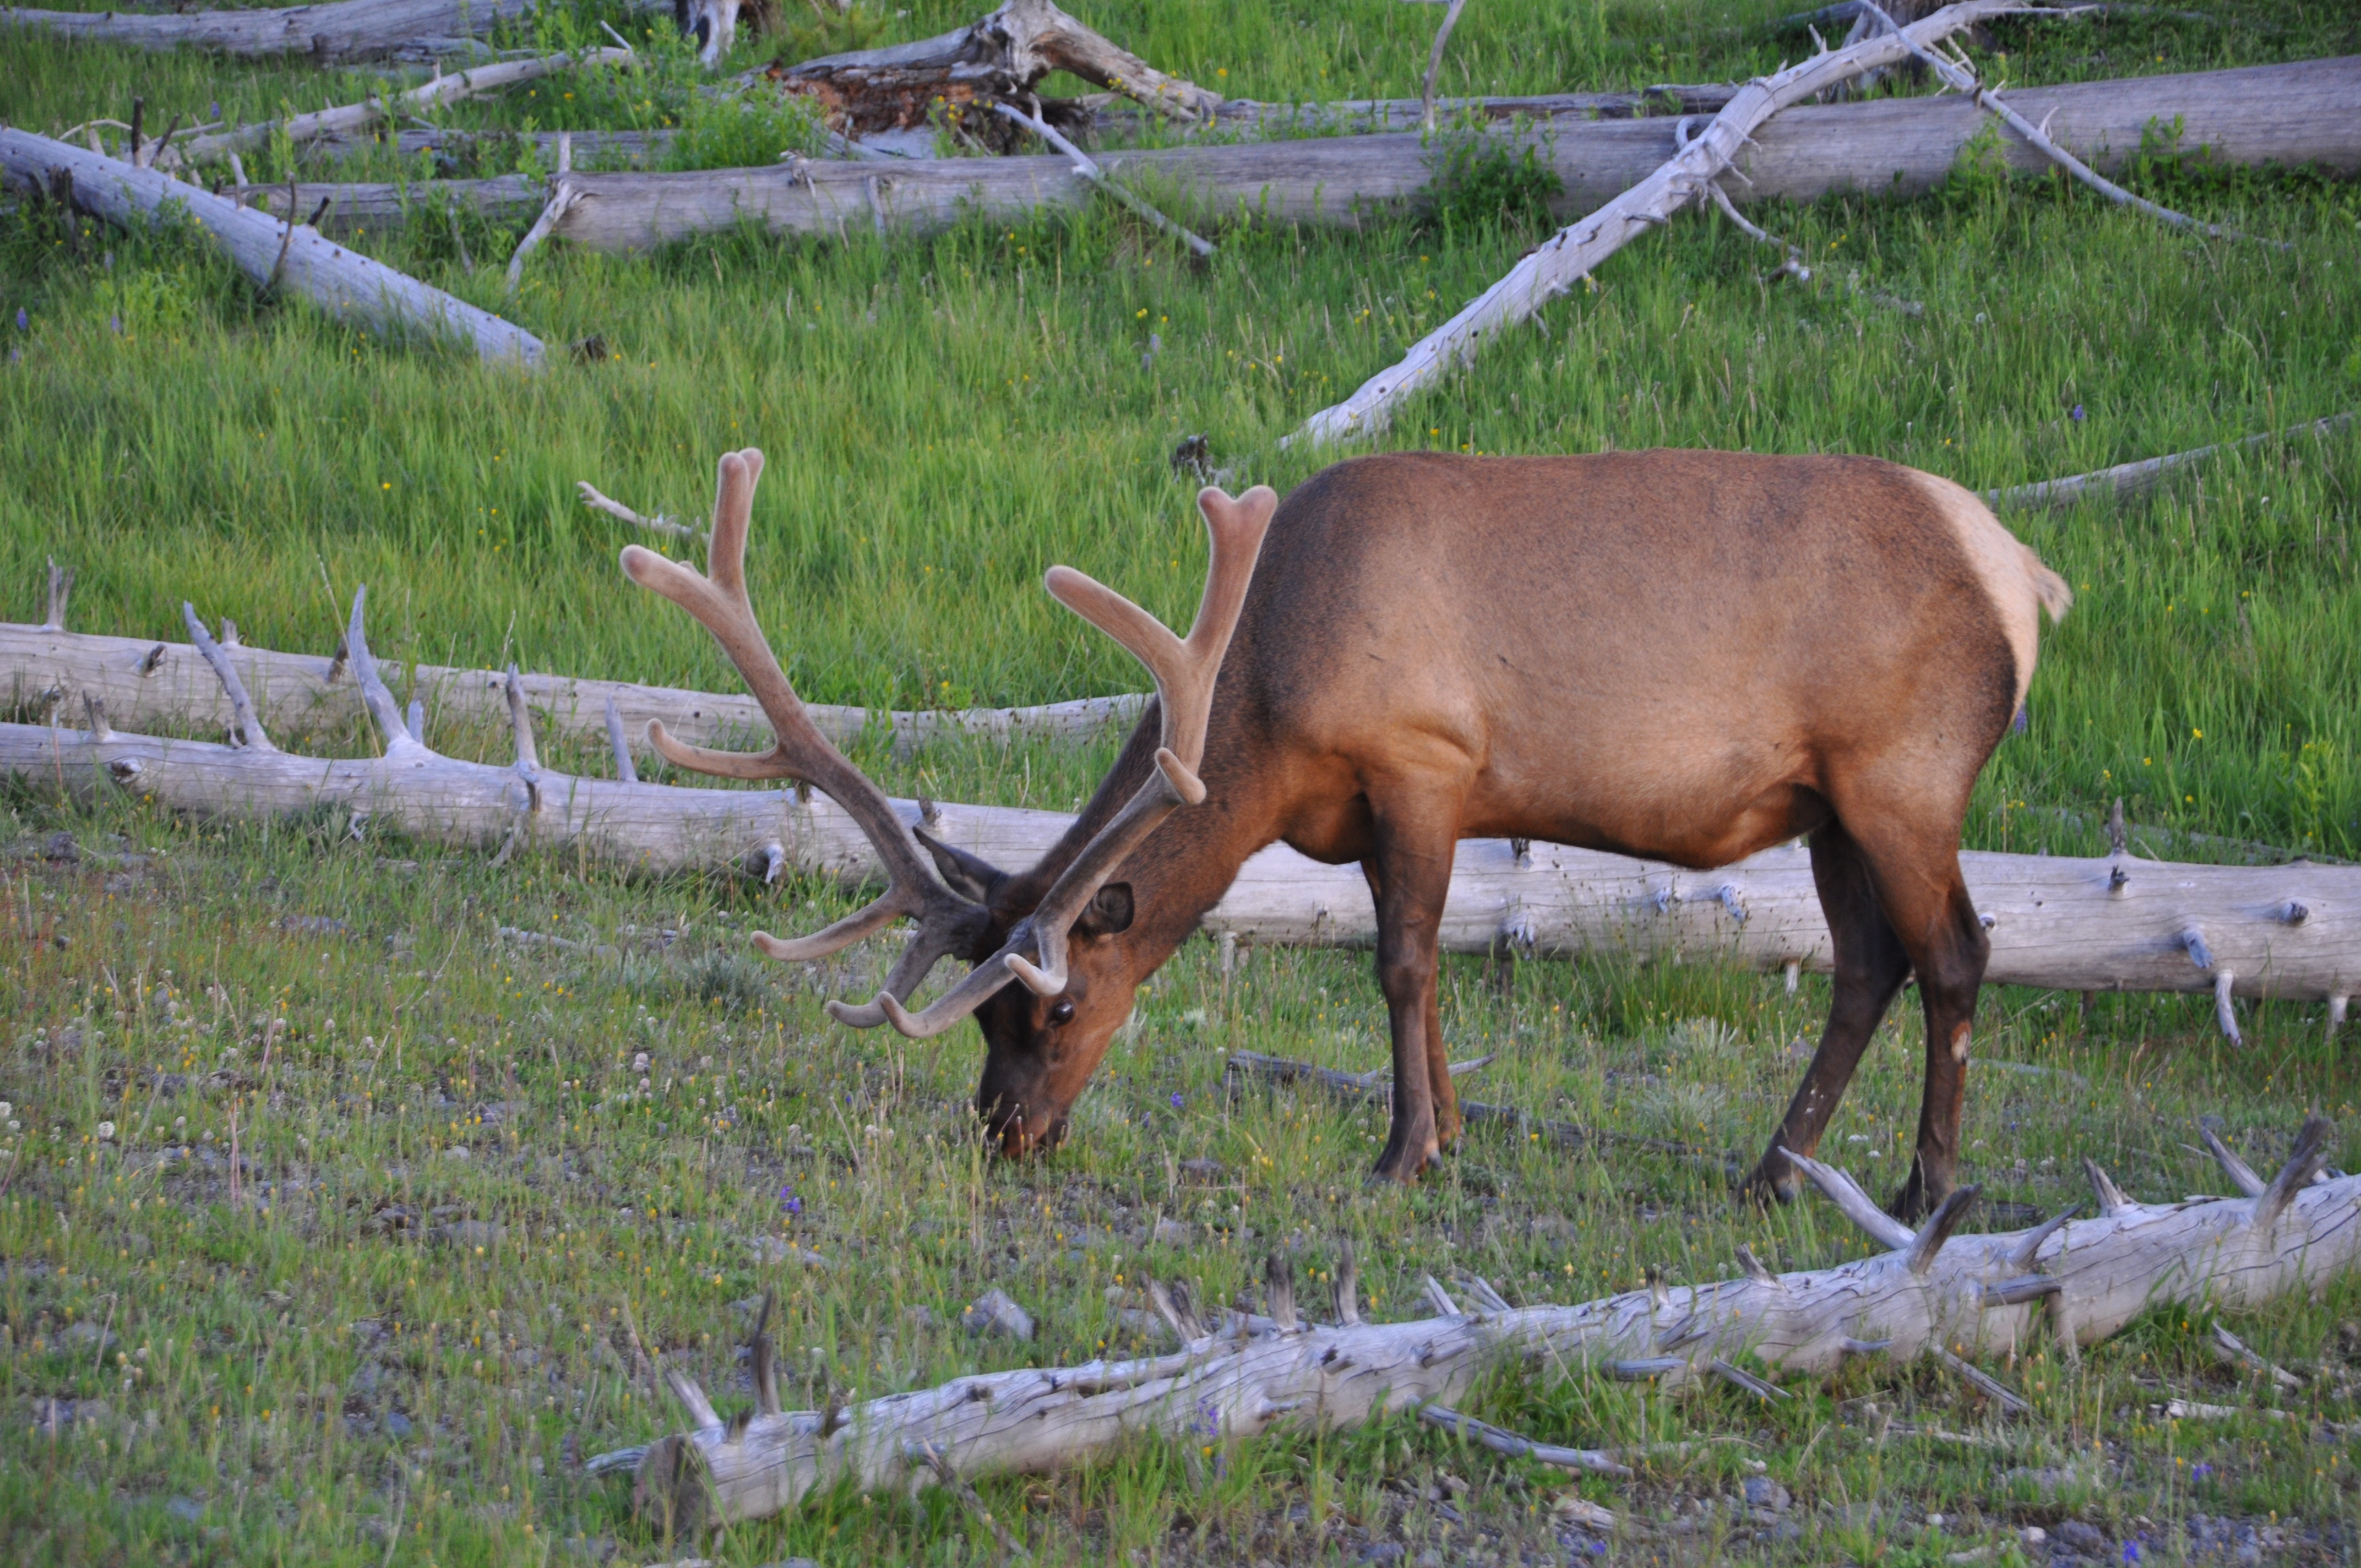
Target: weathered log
x=350, y=120
x=166, y=685
x=1931, y=1292
x=349, y=30
x=346, y=285
x=2126, y=481
x=1555, y=265
x=2261, y=114
x=2116, y=923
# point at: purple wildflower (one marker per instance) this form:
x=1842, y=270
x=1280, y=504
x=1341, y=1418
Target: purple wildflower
x=1176, y=1100
x=789, y=1201
x=23, y=322
x=2077, y=415
x=2131, y=1551
x=115, y=321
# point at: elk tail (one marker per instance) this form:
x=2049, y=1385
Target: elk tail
x=2050, y=588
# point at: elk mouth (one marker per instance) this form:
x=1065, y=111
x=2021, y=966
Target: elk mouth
x=1020, y=1133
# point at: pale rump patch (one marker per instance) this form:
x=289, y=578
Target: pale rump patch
x=1959, y=1044
x=2020, y=586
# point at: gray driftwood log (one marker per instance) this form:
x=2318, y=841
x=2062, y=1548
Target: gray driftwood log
x=152, y=685
x=349, y=121
x=347, y=30
x=2114, y=923
x=2280, y=114
x=1930, y=1292
x=274, y=254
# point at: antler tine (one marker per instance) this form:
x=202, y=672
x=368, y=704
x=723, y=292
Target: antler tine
x=1185, y=674
x=1184, y=671
x=717, y=599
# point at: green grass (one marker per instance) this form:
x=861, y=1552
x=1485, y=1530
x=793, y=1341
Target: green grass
x=943, y=420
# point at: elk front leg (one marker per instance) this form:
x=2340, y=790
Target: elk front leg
x=1410, y=874
x=1870, y=964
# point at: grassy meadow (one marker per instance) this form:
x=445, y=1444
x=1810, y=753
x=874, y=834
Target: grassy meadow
x=328, y=1217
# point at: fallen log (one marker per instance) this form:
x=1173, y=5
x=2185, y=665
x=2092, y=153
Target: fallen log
x=147, y=684
x=2115, y=923
x=1930, y=1292
x=2262, y=114
x=347, y=286
x=350, y=120
x=2126, y=481
x=347, y=30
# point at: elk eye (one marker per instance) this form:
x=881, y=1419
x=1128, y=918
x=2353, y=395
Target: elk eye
x=1061, y=1011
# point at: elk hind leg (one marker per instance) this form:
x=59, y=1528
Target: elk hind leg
x=1946, y=939
x=1870, y=964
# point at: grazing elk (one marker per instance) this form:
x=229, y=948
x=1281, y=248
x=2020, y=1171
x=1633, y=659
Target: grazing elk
x=1684, y=656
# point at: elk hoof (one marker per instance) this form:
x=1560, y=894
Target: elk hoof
x=1402, y=1167
x=1919, y=1197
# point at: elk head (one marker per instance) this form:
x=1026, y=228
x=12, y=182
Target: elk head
x=1044, y=1035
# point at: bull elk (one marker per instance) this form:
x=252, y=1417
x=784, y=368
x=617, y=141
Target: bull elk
x=1684, y=656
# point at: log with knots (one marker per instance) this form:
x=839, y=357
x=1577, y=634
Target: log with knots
x=1926, y=1292
x=2112, y=922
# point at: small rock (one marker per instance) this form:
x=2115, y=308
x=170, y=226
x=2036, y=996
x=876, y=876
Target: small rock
x=366, y=1333
x=993, y=1312
x=458, y=1151
x=1762, y=1492
x=1384, y=1551
x=188, y=1510
x=469, y=1234
x=2034, y=1535
x=770, y=1249
x=2083, y=1536
x=1574, y=1509
x=1201, y=1170
x=397, y=1424
x=1172, y=1232
x=920, y=1315
x=791, y=1562
x=86, y=1332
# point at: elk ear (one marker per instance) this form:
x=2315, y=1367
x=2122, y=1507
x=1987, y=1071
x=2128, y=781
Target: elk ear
x=1109, y=913
x=970, y=875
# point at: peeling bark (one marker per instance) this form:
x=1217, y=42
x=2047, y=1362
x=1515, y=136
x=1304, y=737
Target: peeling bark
x=1000, y=59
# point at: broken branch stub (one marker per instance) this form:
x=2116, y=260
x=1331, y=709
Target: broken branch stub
x=1255, y=1375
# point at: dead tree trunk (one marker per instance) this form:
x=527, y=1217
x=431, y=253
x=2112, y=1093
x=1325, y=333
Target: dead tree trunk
x=2113, y=924
x=2281, y=113
x=348, y=120
x=167, y=686
x=349, y=31
x=274, y=254
x=1930, y=1293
